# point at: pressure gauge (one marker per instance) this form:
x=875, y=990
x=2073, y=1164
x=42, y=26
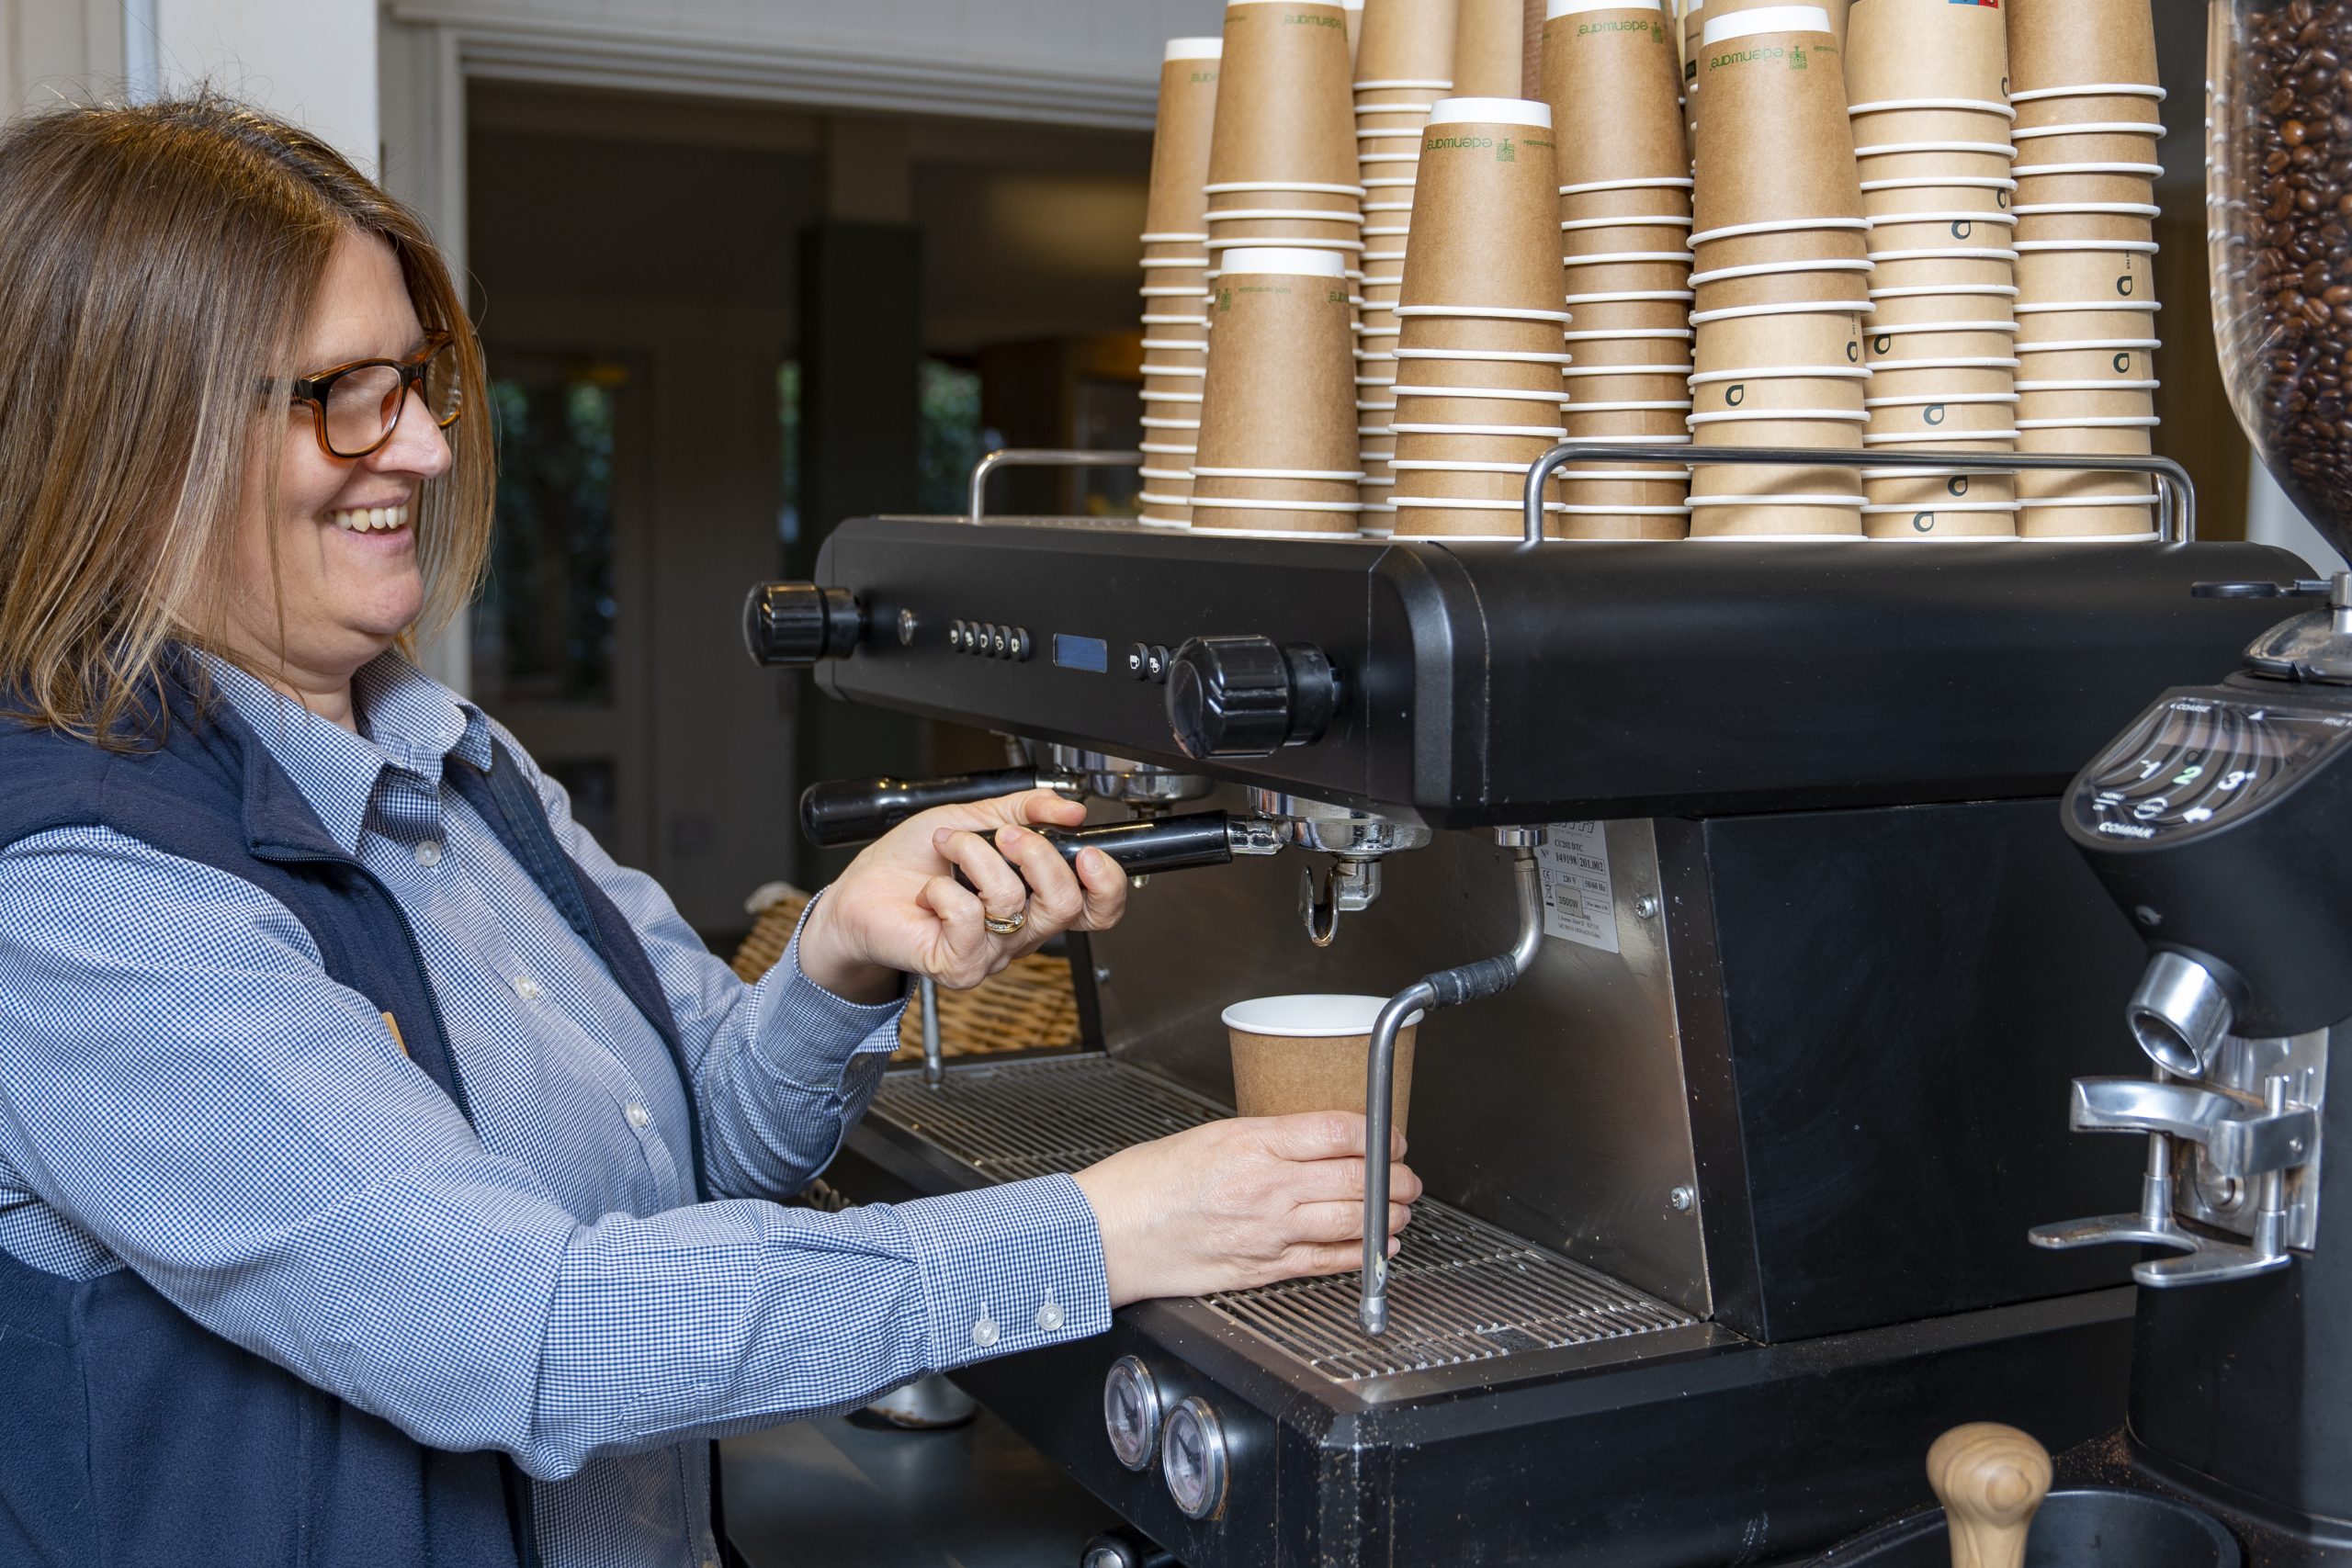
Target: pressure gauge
x=1131, y=1412
x=1191, y=1458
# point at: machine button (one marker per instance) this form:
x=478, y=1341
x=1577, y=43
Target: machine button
x=1246, y=696
x=1020, y=645
x=1155, y=666
x=800, y=623
x=1139, y=660
x=1131, y=1412
x=956, y=636
x=985, y=1332
x=1000, y=640
x=1193, y=1458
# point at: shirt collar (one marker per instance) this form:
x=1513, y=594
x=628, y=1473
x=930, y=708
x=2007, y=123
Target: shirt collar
x=413, y=724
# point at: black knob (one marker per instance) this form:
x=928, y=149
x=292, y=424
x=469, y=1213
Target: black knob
x=800, y=623
x=1245, y=696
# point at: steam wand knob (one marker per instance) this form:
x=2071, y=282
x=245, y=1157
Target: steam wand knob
x=1249, y=696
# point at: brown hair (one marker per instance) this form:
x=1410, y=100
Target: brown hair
x=157, y=265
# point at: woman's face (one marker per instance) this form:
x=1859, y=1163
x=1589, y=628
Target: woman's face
x=345, y=541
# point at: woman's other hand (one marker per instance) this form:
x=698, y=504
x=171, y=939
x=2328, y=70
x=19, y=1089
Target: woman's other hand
x=898, y=910
x=1232, y=1204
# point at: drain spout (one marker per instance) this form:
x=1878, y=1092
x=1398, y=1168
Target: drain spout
x=1448, y=988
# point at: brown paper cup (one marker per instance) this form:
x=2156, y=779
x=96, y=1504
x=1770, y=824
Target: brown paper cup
x=1279, y=392
x=1938, y=161
x=1745, y=343
x=1191, y=251
x=1406, y=40
x=2046, y=190
x=1898, y=236
x=1304, y=200
x=1812, y=429
x=1603, y=523
x=1221, y=515
x=1488, y=37
x=1284, y=109
x=1759, y=520
x=1271, y=485
x=1974, y=270
x=1280, y=230
x=1600, y=318
x=1895, y=127
x=1755, y=393
x=1992, y=197
x=1525, y=375
x=2038, y=150
x=1416, y=407
x=1498, y=482
x=1180, y=145
x=1484, y=230
x=1642, y=389
x=1470, y=444
x=1774, y=139
x=2052, y=368
x=1613, y=81
x=1840, y=487
x=1930, y=523
x=1925, y=49
x=1736, y=288
x=1599, y=356
x=1932, y=343
x=2086, y=523
x=2100, y=276
x=1782, y=245
x=1610, y=238
x=2064, y=43
x=1929, y=490
x=2086, y=408
x=1975, y=302
x=1531, y=334
x=1435, y=520
x=1625, y=201
x=1589, y=485
x=1625, y=425
x=2052, y=225
x=1942, y=381
x=1953, y=421
x=2091, y=108
x=2085, y=325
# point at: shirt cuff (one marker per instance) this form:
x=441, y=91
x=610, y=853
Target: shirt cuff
x=808, y=1033
x=1006, y=1269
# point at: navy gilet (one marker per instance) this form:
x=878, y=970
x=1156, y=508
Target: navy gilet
x=130, y=1435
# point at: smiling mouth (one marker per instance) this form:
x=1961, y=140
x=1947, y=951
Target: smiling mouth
x=370, y=519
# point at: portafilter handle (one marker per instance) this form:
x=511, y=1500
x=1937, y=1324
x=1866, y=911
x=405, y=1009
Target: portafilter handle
x=1991, y=1479
x=1158, y=844
x=856, y=812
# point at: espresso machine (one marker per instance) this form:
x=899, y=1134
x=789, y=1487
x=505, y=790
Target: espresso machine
x=1756, y=959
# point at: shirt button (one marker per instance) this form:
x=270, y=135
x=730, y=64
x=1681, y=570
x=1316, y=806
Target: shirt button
x=638, y=1115
x=526, y=988
x=428, y=853
x=984, y=1332
x=1049, y=1318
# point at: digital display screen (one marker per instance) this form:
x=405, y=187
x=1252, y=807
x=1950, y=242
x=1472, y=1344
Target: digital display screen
x=1088, y=653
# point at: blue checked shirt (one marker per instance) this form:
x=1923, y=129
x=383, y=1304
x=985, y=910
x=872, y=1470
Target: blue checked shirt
x=184, y=1092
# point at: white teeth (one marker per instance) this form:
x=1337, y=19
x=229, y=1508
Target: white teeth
x=370, y=519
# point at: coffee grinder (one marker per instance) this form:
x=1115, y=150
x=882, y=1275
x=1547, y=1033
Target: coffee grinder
x=2220, y=821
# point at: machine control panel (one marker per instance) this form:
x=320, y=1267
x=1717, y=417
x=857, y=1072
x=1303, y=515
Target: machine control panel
x=2199, y=761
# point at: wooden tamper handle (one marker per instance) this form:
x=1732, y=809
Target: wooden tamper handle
x=1991, y=1479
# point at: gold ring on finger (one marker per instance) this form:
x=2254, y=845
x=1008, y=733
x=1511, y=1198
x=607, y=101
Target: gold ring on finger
x=1009, y=925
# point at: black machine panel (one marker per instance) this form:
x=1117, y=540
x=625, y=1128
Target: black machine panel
x=1484, y=683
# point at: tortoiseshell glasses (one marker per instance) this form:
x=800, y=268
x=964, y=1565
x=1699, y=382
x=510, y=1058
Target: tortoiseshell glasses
x=354, y=408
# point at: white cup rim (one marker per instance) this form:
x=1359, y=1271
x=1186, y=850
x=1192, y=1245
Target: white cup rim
x=1779, y=226
x=1797, y=307
x=1772, y=269
x=1248, y=503
x=1624, y=258
x=1528, y=112
x=1333, y=476
x=1594, y=187
x=1908, y=149
x=2153, y=129
x=1556, y=398
x=1597, y=372
x=1702, y=503
x=2091, y=90
x=2089, y=170
x=1500, y=356
x=1783, y=373
x=1578, y=225
x=1790, y=416
x=1884, y=258
x=1480, y=314
x=1940, y=105
x=1936, y=438
x=1425, y=427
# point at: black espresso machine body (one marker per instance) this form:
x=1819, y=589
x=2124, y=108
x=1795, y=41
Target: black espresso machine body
x=1726, y=1196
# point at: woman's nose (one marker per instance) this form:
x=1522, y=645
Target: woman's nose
x=417, y=446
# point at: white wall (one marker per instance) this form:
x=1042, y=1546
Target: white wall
x=313, y=62
x=58, y=47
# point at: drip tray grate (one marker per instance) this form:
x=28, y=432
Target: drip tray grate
x=1459, y=1288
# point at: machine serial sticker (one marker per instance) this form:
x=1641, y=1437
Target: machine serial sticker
x=1578, y=903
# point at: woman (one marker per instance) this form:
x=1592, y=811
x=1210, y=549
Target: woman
x=385, y=1174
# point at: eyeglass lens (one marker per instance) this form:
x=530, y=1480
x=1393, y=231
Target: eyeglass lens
x=364, y=404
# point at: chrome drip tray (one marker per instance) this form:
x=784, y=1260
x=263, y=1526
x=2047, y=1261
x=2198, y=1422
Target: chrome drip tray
x=1460, y=1290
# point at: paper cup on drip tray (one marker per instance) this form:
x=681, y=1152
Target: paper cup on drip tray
x=1279, y=401
x=1311, y=1052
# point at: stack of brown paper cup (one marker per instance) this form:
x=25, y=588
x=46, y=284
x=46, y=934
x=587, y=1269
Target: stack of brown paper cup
x=1405, y=65
x=1175, y=279
x=1782, y=274
x=1926, y=81
x=2084, y=82
x=1694, y=20
x=1278, y=439
x=1610, y=77
x=1353, y=10
x=1299, y=1053
x=1478, y=393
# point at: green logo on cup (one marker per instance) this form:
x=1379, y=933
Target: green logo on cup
x=1796, y=58
x=1225, y=299
x=1504, y=152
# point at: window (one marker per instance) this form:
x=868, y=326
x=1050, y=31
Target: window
x=543, y=626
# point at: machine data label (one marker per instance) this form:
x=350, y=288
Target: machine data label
x=1579, y=902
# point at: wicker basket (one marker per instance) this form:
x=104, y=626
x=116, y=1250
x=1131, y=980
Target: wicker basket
x=1031, y=1004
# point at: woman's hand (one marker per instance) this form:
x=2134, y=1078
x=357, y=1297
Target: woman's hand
x=1232, y=1204
x=898, y=910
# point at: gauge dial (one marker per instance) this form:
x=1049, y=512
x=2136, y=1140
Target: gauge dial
x=1131, y=1412
x=1191, y=1458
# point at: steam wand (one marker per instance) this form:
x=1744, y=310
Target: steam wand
x=1447, y=987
